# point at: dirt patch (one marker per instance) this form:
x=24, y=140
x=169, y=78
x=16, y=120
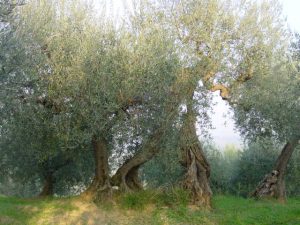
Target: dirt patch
x=84, y=213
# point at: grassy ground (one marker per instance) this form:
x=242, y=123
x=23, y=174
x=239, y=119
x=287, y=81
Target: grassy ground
x=148, y=208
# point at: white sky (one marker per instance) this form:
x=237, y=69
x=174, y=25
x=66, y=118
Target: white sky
x=291, y=9
x=224, y=133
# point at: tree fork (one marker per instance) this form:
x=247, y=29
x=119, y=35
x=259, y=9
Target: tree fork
x=273, y=184
x=127, y=181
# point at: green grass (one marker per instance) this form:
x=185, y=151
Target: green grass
x=149, y=207
x=232, y=210
x=30, y=211
x=142, y=199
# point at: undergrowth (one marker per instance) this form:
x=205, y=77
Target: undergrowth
x=139, y=200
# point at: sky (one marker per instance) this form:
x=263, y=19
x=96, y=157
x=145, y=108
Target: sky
x=291, y=9
x=224, y=132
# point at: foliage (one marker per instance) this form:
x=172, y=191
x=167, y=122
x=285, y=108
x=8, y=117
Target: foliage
x=164, y=170
x=68, y=76
x=254, y=162
x=273, y=111
x=238, y=172
x=224, y=167
x=75, y=78
x=233, y=171
x=257, y=160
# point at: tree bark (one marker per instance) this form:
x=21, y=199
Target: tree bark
x=197, y=168
x=273, y=184
x=47, y=190
x=101, y=180
x=126, y=176
x=132, y=179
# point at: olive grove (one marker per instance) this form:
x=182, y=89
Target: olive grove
x=86, y=103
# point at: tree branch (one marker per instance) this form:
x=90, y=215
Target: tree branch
x=224, y=91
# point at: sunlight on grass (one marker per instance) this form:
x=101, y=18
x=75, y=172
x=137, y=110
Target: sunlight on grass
x=148, y=207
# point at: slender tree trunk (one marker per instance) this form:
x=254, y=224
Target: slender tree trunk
x=101, y=180
x=273, y=184
x=196, y=180
x=48, y=186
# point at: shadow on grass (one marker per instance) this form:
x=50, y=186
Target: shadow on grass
x=33, y=211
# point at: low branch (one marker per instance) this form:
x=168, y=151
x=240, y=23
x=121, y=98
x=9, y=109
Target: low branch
x=224, y=91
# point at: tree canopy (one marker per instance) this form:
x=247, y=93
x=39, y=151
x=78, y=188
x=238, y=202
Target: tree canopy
x=76, y=87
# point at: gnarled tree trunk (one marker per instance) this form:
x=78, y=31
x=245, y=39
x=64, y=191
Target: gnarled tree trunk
x=126, y=176
x=101, y=182
x=196, y=180
x=273, y=184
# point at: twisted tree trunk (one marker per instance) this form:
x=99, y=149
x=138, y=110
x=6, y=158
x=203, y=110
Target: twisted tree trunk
x=197, y=169
x=100, y=185
x=273, y=184
x=126, y=176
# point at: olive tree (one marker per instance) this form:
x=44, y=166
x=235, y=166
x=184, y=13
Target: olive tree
x=269, y=106
x=222, y=45
x=136, y=84
x=98, y=84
